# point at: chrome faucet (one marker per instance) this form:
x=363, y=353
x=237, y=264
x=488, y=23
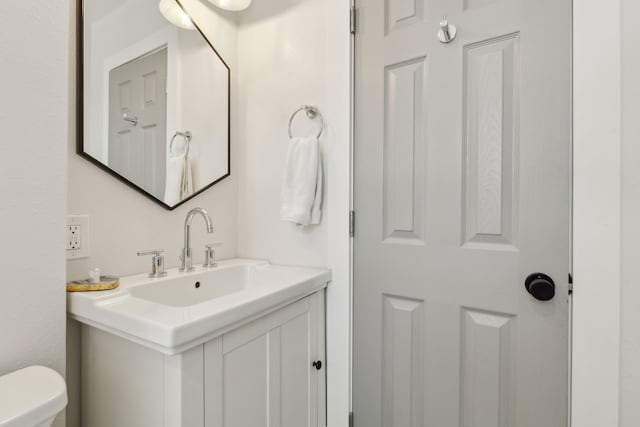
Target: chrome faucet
x=186, y=259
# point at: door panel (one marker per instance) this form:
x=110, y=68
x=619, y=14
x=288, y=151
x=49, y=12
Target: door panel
x=488, y=368
x=246, y=383
x=462, y=167
x=403, y=353
x=403, y=152
x=490, y=144
x=261, y=374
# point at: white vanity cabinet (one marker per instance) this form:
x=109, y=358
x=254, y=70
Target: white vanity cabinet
x=257, y=373
x=261, y=374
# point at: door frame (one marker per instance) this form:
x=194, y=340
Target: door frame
x=337, y=153
x=597, y=221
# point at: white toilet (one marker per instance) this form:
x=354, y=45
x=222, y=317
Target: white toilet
x=31, y=397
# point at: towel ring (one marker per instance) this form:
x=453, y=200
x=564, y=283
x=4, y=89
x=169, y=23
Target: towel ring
x=312, y=112
x=187, y=138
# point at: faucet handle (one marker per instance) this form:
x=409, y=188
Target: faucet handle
x=151, y=252
x=157, y=262
x=210, y=254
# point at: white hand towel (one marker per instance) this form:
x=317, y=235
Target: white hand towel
x=302, y=182
x=175, y=168
x=316, y=208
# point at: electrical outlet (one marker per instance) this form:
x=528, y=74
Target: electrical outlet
x=73, y=237
x=77, y=236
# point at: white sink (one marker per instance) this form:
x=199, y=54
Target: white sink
x=195, y=289
x=177, y=312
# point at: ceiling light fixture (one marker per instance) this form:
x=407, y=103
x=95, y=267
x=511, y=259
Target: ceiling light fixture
x=174, y=14
x=232, y=5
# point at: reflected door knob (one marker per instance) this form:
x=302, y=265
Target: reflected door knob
x=540, y=286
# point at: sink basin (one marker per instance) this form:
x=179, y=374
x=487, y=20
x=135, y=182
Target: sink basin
x=194, y=289
x=177, y=312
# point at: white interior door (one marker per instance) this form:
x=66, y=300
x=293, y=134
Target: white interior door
x=138, y=121
x=462, y=190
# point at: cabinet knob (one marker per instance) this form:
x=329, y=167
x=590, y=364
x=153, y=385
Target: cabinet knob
x=317, y=364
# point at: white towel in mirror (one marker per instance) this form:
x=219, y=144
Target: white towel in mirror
x=179, y=182
x=186, y=185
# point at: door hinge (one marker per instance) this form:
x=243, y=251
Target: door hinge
x=352, y=223
x=353, y=22
x=570, y=284
x=350, y=419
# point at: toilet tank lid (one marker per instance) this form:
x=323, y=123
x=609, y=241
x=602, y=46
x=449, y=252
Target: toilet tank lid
x=31, y=395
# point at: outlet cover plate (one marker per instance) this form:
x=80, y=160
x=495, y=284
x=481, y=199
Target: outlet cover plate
x=77, y=233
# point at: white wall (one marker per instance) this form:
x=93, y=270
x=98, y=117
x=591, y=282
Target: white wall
x=281, y=66
x=295, y=52
x=33, y=119
x=202, y=108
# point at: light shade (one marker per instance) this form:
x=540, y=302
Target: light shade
x=232, y=5
x=174, y=14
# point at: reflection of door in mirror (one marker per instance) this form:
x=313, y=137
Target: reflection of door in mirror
x=137, y=121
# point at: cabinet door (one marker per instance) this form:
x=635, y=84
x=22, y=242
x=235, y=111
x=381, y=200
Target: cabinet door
x=261, y=374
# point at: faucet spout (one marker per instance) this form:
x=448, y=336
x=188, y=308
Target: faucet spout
x=193, y=212
x=186, y=258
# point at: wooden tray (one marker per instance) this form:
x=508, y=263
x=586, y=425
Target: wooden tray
x=105, y=283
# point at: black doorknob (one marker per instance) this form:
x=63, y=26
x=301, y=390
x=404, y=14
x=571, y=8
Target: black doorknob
x=540, y=286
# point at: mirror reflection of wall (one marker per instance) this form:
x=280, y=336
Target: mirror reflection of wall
x=148, y=82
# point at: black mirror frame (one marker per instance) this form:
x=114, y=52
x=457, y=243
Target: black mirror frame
x=80, y=111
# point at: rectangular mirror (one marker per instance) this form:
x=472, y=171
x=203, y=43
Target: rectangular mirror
x=154, y=98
